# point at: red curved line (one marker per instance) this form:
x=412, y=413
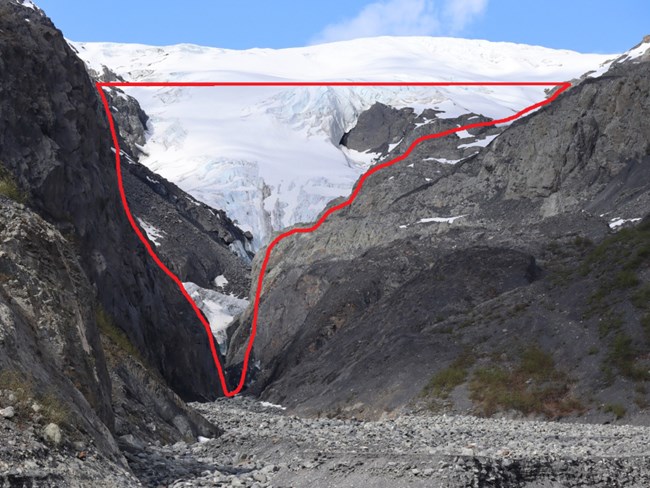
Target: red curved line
x=561, y=87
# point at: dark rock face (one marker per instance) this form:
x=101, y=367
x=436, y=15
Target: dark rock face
x=60, y=363
x=348, y=338
x=54, y=139
x=382, y=126
x=378, y=127
x=131, y=119
x=358, y=316
x=146, y=410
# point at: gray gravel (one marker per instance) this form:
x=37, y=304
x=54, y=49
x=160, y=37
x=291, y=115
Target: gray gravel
x=265, y=447
x=29, y=458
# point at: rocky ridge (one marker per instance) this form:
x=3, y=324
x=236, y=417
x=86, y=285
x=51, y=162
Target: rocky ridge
x=74, y=392
x=57, y=411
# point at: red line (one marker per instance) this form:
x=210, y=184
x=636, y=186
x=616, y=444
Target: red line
x=323, y=83
x=168, y=272
x=562, y=86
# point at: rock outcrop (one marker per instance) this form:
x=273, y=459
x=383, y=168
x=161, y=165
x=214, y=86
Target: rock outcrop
x=71, y=385
x=48, y=312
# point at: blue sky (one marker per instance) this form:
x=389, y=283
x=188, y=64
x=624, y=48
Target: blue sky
x=601, y=26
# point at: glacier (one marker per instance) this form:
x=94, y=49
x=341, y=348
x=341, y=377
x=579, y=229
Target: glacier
x=270, y=156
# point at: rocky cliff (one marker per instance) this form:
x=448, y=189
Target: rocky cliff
x=496, y=284
x=52, y=362
x=91, y=331
x=72, y=387
x=54, y=140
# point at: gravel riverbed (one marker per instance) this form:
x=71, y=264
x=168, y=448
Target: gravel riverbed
x=264, y=447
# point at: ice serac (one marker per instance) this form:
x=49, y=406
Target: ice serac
x=271, y=157
x=437, y=285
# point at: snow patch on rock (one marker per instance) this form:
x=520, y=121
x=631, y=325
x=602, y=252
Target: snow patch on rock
x=480, y=143
x=153, y=233
x=448, y=220
x=219, y=309
x=617, y=222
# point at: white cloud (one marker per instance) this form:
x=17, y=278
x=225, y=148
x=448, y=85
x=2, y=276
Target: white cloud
x=392, y=17
x=459, y=13
x=405, y=18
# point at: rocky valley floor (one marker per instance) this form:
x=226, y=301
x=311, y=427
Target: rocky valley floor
x=264, y=447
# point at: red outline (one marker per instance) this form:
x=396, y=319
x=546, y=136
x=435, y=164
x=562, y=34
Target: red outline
x=562, y=86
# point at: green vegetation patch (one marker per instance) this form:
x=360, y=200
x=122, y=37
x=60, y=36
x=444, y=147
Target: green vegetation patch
x=52, y=408
x=623, y=355
x=583, y=242
x=609, y=323
x=641, y=298
x=617, y=409
x=645, y=324
x=112, y=332
x=117, y=345
x=9, y=188
x=532, y=386
x=616, y=262
x=18, y=384
x=444, y=381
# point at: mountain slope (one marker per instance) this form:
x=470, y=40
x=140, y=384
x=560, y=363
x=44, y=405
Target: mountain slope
x=89, y=326
x=459, y=277
x=54, y=140
x=271, y=156
x=90, y=335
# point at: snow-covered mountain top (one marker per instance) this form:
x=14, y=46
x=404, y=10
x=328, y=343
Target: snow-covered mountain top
x=27, y=3
x=381, y=58
x=270, y=156
x=637, y=53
